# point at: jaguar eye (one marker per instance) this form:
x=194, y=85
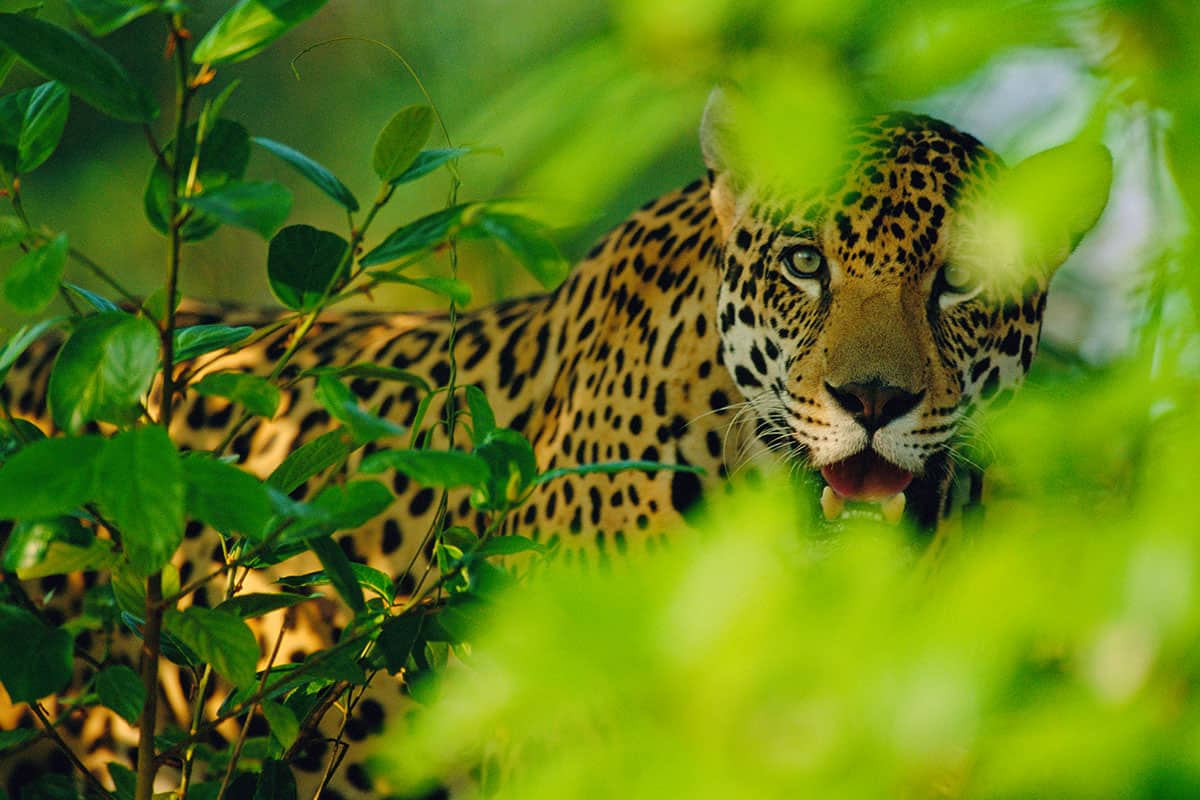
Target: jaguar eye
x=803, y=261
x=959, y=279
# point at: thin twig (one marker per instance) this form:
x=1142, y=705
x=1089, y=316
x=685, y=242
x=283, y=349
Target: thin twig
x=48, y=726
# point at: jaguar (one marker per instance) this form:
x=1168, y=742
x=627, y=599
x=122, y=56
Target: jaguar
x=849, y=331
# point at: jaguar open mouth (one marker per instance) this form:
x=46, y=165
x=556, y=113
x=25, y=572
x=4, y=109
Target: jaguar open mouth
x=868, y=478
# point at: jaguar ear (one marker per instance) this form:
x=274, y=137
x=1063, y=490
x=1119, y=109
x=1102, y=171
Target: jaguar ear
x=1061, y=193
x=716, y=143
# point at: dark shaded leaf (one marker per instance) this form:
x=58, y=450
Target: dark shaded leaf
x=45, y=663
x=143, y=491
x=367, y=577
x=400, y=141
x=32, y=282
x=301, y=263
x=257, y=604
x=96, y=301
x=429, y=160
x=256, y=393
x=105, y=366
x=340, y=572
x=120, y=688
x=224, y=153
x=31, y=124
x=398, y=638
x=284, y=727
x=321, y=177
x=260, y=206
x=90, y=73
x=12, y=230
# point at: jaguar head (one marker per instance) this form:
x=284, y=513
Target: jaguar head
x=867, y=319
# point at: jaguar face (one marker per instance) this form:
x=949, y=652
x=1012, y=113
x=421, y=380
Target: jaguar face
x=866, y=322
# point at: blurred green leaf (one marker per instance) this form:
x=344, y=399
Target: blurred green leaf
x=353, y=504
x=224, y=153
x=250, y=26
x=400, y=142
x=62, y=558
x=45, y=663
x=32, y=282
x=102, y=17
x=284, y=727
x=444, y=469
x=120, y=688
x=10, y=740
x=527, y=242
x=218, y=638
x=225, y=497
x=256, y=393
x=30, y=540
x=20, y=341
x=259, y=206
x=198, y=340
x=429, y=160
x=90, y=73
x=12, y=230
x=301, y=262
x=33, y=483
x=366, y=369
x=613, y=467
x=483, y=421
x=142, y=489
x=398, y=638
x=456, y=291
x=275, y=780
x=512, y=468
x=507, y=546
x=322, y=178
x=31, y=124
x=103, y=369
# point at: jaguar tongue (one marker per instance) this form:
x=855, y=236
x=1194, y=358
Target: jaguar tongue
x=867, y=477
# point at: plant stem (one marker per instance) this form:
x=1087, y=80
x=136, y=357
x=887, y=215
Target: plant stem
x=152, y=636
x=66, y=749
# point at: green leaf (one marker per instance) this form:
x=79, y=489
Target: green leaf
x=44, y=666
x=352, y=505
x=310, y=458
x=321, y=177
x=511, y=465
x=301, y=263
x=143, y=492
x=12, y=230
x=483, y=421
x=256, y=393
x=341, y=403
x=31, y=539
x=260, y=206
x=506, y=546
x=225, y=497
x=365, y=369
x=17, y=737
x=218, y=638
x=102, y=370
x=90, y=73
x=34, y=484
x=445, y=469
x=613, y=467
x=102, y=17
x=340, y=572
x=454, y=290
x=197, y=340
x=250, y=26
x=429, y=160
x=421, y=235
x=224, y=153
x=20, y=341
x=367, y=577
x=15, y=434
x=32, y=282
x=120, y=689
x=275, y=780
x=256, y=604
x=527, y=242
x=96, y=301
x=61, y=558
x=398, y=638
x=284, y=725
x=401, y=141
x=124, y=780
x=31, y=124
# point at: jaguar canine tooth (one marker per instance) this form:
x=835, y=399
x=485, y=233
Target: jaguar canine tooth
x=831, y=503
x=893, y=507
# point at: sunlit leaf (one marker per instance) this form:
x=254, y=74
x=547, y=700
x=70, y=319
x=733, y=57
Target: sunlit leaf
x=249, y=26
x=227, y=498
x=197, y=340
x=102, y=17
x=142, y=489
x=33, y=281
x=220, y=639
x=401, y=141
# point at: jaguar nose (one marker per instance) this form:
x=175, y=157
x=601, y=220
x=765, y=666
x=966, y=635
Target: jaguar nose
x=874, y=403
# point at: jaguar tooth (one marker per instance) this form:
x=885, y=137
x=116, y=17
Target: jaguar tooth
x=831, y=503
x=893, y=507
